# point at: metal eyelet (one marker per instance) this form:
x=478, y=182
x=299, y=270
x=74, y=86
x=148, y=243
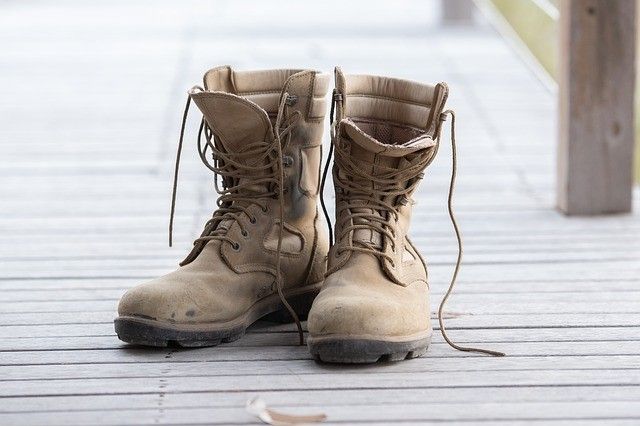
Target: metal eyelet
x=244, y=233
x=253, y=220
x=291, y=99
x=265, y=209
x=287, y=161
x=235, y=247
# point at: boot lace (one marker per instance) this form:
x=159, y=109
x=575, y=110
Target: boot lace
x=456, y=269
x=241, y=185
x=373, y=199
x=377, y=197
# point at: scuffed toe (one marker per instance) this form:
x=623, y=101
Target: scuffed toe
x=358, y=311
x=168, y=300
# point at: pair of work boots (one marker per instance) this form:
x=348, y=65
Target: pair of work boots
x=266, y=252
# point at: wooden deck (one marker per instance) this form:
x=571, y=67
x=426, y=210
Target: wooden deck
x=90, y=100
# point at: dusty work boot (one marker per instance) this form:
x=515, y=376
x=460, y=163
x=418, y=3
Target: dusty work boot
x=374, y=304
x=264, y=250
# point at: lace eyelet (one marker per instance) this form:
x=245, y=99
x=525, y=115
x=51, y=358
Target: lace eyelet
x=253, y=220
x=265, y=209
x=244, y=233
x=287, y=161
x=235, y=247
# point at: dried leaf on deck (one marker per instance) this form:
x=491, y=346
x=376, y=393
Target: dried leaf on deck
x=258, y=408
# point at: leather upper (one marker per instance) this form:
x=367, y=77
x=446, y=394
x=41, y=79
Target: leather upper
x=385, y=134
x=219, y=280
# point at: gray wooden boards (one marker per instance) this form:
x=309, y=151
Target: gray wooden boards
x=90, y=102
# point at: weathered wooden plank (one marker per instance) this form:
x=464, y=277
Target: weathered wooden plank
x=321, y=398
x=140, y=264
x=500, y=292
x=429, y=207
x=322, y=380
x=463, y=306
x=153, y=230
x=479, y=321
x=287, y=349
x=94, y=306
x=487, y=336
x=597, y=86
x=472, y=321
x=365, y=413
x=477, y=248
x=93, y=245
x=425, y=365
x=468, y=285
x=512, y=271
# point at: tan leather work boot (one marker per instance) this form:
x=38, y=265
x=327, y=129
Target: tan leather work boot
x=374, y=304
x=264, y=250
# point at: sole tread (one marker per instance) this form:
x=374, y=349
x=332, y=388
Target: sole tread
x=365, y=351
x=146, y=332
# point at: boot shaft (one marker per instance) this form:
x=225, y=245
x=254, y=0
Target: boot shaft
x=385, y=135
x=242, y=107
x=264, y=129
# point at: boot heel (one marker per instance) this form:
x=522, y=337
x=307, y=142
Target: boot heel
x=301, y=304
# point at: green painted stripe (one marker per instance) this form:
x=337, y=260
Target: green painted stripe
x=535, y=22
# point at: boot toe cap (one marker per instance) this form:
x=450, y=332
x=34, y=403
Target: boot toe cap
x=170, y=301
x=146, y=302
x=365, y=315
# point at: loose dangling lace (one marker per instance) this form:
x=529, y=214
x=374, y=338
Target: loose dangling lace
x=454, y=169
x=327, y=164
x=386, y=188
x=279, y=136
x=237, y=192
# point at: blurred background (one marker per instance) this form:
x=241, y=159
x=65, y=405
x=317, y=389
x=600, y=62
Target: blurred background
x=91, y=97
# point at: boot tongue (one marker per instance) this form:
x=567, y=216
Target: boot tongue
x=236, y=121
x=385, y=140
x=375, y=157
x=241, y=121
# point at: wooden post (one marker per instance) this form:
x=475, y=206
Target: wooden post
x=597, y=85
x=457, y=11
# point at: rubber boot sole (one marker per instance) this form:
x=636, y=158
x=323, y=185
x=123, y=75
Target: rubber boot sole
x=365, y=350
x=150, y=332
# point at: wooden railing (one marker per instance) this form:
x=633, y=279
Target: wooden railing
x=589, y=48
